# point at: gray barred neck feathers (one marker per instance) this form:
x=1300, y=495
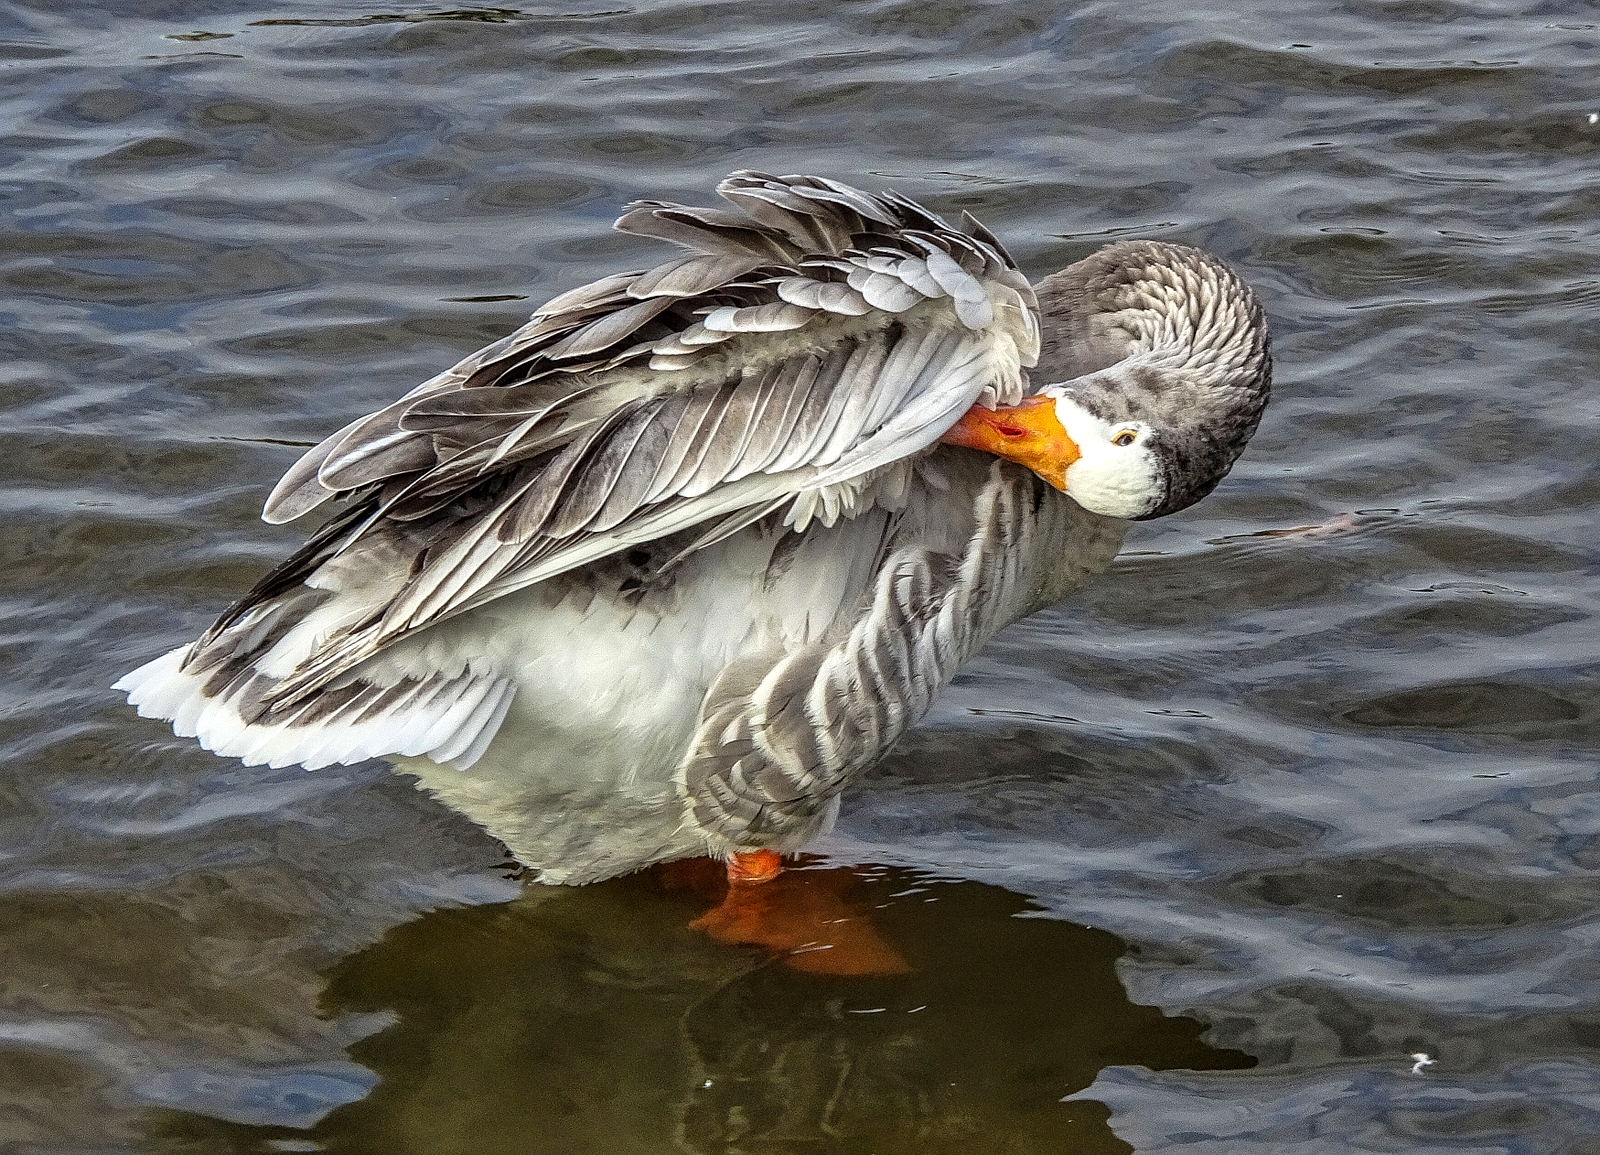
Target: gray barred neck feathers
x=1160, y=363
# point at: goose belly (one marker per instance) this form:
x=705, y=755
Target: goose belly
x=582, y=797
x=582, y=781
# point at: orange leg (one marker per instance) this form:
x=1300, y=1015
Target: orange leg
x=755, y=866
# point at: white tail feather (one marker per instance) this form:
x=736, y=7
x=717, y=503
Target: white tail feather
x=448, y=720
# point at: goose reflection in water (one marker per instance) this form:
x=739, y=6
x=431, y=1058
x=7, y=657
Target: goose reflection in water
x=593, y=1020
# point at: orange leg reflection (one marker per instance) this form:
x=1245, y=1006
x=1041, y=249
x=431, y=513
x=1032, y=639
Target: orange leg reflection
x=805, y=916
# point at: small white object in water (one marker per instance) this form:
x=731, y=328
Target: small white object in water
x=1422, y=1060
x=1594, y=117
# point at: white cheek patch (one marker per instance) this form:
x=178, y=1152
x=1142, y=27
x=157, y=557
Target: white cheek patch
x=1113, y=480
x=1126, y=487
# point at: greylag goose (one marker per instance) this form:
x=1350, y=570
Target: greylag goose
x=659, y=573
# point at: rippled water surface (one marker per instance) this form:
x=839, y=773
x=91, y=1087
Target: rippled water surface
x=1202, y=861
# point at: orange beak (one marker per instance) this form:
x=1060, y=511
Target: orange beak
x=1027, y=433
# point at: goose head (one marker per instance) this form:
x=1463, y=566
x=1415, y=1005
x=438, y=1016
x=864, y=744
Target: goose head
x=1158, y=368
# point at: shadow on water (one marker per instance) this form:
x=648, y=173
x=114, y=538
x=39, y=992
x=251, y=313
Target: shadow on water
x=595, y=1020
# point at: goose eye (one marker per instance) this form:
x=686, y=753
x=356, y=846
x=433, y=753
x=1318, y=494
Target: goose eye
x=1126, y=437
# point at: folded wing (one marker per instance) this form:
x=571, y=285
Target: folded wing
x=804, y=347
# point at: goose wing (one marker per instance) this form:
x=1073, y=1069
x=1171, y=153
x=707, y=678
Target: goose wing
x=804, y=343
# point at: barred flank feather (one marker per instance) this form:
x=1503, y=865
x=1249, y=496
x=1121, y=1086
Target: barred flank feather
x=777, y=742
